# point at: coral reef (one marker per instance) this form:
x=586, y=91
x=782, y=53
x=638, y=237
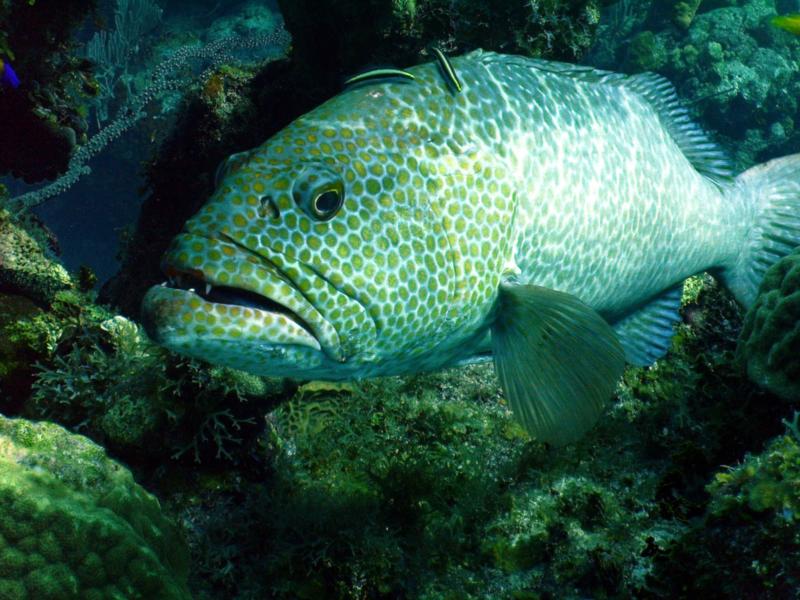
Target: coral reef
x=114, y=52
x=67, y=359
x=161, y=80
x=425, y=487
x=680, y=13
x=731, y=64
x=75, y=525
x=769, y=481
x=346, y=35
x=31, y=282
x=48, y=109
x=27, y=334
x=684, y=12
x=419, y=487
x=770, y=339
x=17, y=352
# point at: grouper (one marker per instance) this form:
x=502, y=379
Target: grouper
x=539, y=214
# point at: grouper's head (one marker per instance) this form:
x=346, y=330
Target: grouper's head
x=324, y=252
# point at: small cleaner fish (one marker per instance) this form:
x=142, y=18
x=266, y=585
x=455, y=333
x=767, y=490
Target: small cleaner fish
x=790, y=23
x=540, y=214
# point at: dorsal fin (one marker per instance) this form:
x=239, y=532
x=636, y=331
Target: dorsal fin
x=579, y=72
x=705, y=155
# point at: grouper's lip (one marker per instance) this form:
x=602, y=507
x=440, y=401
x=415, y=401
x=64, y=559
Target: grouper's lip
x=247, y=289
x=164, y=306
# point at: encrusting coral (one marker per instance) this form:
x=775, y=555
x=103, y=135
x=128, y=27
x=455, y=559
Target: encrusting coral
x=75, y=525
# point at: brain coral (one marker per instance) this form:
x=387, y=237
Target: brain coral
x=74, y=524
x=770, y=342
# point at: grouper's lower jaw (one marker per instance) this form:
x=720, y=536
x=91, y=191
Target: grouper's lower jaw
x=243, y=337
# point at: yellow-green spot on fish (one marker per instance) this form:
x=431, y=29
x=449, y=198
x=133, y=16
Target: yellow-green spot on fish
x=790, y=23
x=545, y=217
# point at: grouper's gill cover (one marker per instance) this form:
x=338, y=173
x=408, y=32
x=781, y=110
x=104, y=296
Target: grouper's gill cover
x=540, y=213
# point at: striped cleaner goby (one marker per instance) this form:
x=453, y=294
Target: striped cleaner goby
x=540, y=213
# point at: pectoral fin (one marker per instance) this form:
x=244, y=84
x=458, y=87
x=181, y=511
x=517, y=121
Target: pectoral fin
x=558, y=361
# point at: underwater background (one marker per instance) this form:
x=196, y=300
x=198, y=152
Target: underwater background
x=127, y=471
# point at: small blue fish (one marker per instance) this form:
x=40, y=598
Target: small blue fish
x=7, y=75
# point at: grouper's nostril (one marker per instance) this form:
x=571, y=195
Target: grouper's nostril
x=268, y=208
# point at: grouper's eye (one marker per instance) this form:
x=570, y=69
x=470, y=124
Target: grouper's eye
x=327, y=204
x=319, y=195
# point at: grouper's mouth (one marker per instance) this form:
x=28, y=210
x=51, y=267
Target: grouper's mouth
x=233, y=295
x=230, y=296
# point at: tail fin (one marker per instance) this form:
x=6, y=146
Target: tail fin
x=773, y=189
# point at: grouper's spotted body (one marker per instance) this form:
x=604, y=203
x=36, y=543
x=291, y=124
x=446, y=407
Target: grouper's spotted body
x=536, y=175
